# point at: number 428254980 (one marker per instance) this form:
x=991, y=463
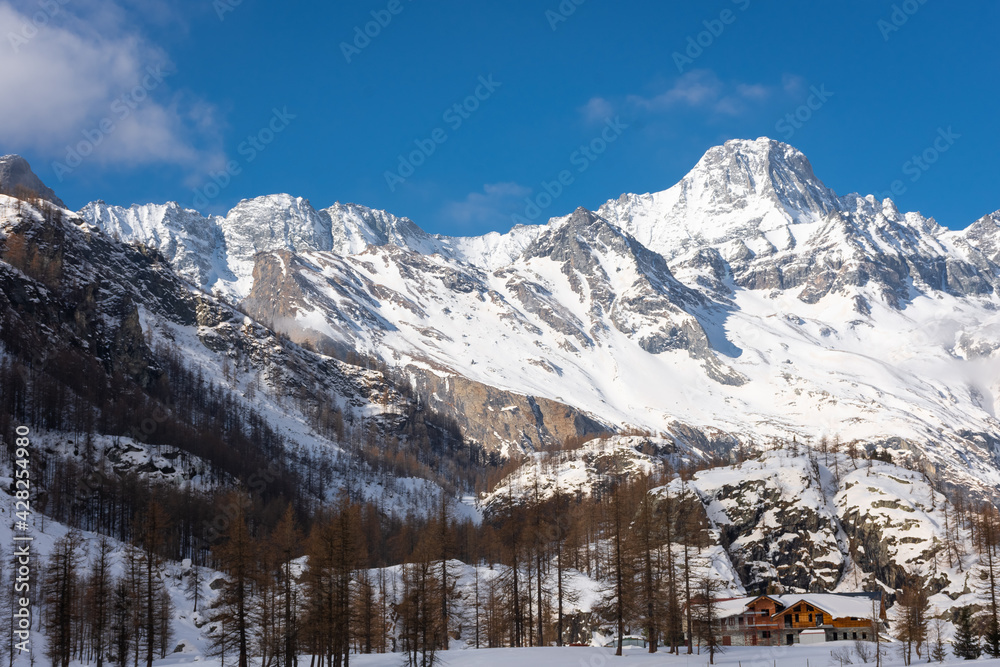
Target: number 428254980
x=22, y=473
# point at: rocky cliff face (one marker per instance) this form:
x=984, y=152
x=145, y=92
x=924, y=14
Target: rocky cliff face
x=503, y=421
x=776, y=522
x=795, y=519
x=16, y=178
x=820, y=522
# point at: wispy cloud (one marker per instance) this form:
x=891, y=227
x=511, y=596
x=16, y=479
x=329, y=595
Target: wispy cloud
x=793, y=84
x=490, y=208
x=87, y=63
x=597, y=110
x=697, y=89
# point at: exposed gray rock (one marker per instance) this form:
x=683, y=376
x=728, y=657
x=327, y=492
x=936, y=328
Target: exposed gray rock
x=16, y=177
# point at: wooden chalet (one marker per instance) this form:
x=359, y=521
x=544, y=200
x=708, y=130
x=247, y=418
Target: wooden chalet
x=774, y=620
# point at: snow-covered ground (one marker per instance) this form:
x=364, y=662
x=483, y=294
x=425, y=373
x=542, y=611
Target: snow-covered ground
x=795, y=656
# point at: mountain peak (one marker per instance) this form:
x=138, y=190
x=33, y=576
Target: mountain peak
x=15, y=172
x=355, y=227
x=740, y=189
x=776, y=173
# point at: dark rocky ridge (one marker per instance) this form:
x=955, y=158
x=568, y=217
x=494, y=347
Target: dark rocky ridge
x=15, y=173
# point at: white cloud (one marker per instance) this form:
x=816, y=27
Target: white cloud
x=793, y=84
x=753, y=91
x=697, y=89
x=65, y=78
x=489, y=208
x=694, y=89
x=597, y=110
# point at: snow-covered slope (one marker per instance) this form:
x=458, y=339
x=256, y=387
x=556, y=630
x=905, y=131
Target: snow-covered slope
x=748, y=302
x=217, y=252
x=130, y=310
x=739, y=190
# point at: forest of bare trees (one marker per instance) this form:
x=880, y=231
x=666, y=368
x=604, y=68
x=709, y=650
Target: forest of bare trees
x=346, y=578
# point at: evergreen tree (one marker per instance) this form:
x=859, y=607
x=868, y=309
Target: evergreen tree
x=966, y=644
x=938, y=651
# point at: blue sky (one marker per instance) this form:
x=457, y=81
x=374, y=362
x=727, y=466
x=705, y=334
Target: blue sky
x=209, y=103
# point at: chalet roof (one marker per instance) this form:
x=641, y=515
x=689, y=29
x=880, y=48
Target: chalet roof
x=733, y=606
x=838, y=606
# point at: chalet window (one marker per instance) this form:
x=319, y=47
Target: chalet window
x=799, y=608
x=796, y=618
x=810, y=618
x=819, y=619
x=864, y=635
x=854, y=635
x=845, y=635
x=741, y=620
x=766, y=634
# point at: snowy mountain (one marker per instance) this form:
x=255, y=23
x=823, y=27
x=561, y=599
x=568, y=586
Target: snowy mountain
x=84, y=300
x=748, y=302
x=822, y=369
x=744, y=189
